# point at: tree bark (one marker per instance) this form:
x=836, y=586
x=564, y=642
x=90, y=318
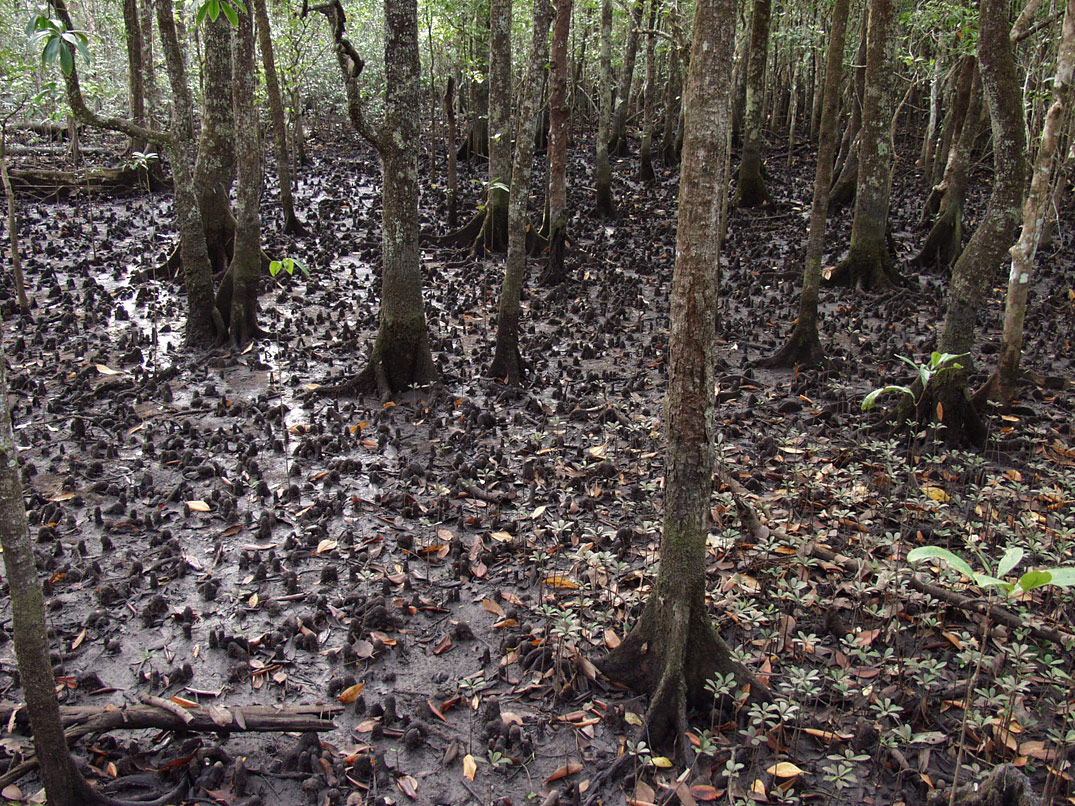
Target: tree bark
x=13, y=229
x=292, y=225
x=645, y=153
x=674, y=648
x=500, y=122
x=135, y=71
x=149, y=67
x=869, y=263
x=804, y=345
x=507, y=361
x=602, y=167
x=559, y=111
x=617, y=144
x=751, y=190
x=453, y=171
x=1003, y=385
x=847, y=161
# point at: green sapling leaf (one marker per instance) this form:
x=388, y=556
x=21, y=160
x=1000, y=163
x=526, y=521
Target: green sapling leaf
x=1011, y=558
x=936, y=552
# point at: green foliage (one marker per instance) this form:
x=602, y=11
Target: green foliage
x=56, y=41
x=214, y=8
x=1035, y=578
x=286, y=265
x=938, y=363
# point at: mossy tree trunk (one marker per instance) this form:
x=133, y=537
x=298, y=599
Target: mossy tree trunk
x=136, y=96
x=869, y=264
x=495, y=229
x=948, y=399
x=292, y=225
x=751, y=190
x=453, y=170
x=847, y=161
x=1003, y=385
x=555, y=272
x=804, y=345
x=12, y=227
x=507, y=360
x=606, y=208
x=673, y=648
x=237, y=300
x=649, y=104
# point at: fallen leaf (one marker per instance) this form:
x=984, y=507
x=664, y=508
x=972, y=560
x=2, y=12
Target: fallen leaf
x=106, y=370
x=198, y=506
x=784, y=769
x=220, y=715
x=326, y=546
x=470, y=767
x=936, y=494
x=501, y=537
x=408, y=786
x=562, y=772
x=493, y=607
x=663, y=762
x=561, y=582
x=350, y=694
x=706, y=793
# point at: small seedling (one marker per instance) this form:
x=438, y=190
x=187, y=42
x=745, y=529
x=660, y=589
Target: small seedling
x=938, y=363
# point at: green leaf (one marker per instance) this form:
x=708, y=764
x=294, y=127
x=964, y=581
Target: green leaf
x=214, y=10
x=1034, y=579
x=50, y=51
x=199, y=18
x=1011, y=558
x=1062, y=577
x=936, y=552
x=229, y=12
x=67, y=61
x=986, y=581
x=870, y=400
x=274, y=267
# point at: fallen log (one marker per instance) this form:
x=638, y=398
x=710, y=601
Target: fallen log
x=50, y=183
x=217, y=719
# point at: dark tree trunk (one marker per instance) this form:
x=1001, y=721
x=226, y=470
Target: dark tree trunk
x=135, y=70
x=674, y=648
x=618, y=135
x=12, y=229
x=453, y=134
x=945, y=239
x=237, y=300
x=214, y=171
x=292, y=225
x=847, y=162
x=556, y=231
x=947, y=398
x=606, y=208
x=869, y=263
x=507, y=361
x=669, y=139
x=495, y=233
x=149, y=70
x=645, y=153
x=751, y=190
x=953, y=125
x=804, y=344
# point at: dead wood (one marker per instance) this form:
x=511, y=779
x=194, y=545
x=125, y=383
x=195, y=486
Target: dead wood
x=49, y=183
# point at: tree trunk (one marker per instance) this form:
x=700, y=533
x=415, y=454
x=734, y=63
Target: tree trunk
x=453, y=171
x=292, y=225
x=214, y=170
x=135, y=71
x=507, y=361
x=559, y=112
x=965, y=87
x=149, y=67
x=751, y=190
x=645, y=154
x=669, y=154
x=500, y=122
x=804, y=344
x=618, y=136
x=64, y=786
x=945, y=239
x=237, y=299
x=602, y=167
x=674, y=649
x=204, y=324
x=847, y=164
x=925, y=157
x=1003, y=385
x=869, y=264
x=948, y=399
x=13, y=229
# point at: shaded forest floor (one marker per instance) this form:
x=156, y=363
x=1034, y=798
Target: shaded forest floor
x=449, y=566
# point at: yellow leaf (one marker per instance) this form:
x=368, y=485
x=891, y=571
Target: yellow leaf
x=561, y=582
x=784, y=769
x=350, y=694
x=598, y=451
x=198, y=506
x=631, y=718
x=108, y=370
x=326, y=546
x=470, y=767
x=538, y=512
x=502, y=537
x=936, y=494
x=663, y=762
x=253, y=600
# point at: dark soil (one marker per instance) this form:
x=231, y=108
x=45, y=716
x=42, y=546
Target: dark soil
x=207, y=532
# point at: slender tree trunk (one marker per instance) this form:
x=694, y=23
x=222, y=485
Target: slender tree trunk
x=751, y=190
x=237, y=299
x=453, y=171
x=669, y=155
x=204, y=323
x=292, y=225
x=1003, y=385
x=602, y=167
x=967, y=84
x=618, y=136
x=507, y=361
x=298, y=136
x=135, y=70
x=847, y=162
x=559, y=112
x=496, y=220
x=12, y=228
x=645, y=154
x=674, y=648
x=149, y=65
x=929, y=140
x=947, y=398
x=869, y=263
x=945, y=239
x=804, y=344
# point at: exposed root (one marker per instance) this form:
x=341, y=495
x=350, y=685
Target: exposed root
x=803, y=348
x=945, y=240
x=947, y=404
x=865, y=270
x=555, y=272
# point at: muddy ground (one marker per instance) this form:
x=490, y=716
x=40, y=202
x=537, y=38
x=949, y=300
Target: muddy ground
x=450, y=565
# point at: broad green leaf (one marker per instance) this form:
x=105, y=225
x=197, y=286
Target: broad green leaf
x=1011, y=558
x=870, y=400
x=67, y=61
x=274, y=267
x=936, y=552
x=200, y=16
x=1034, y=579
x=1062, y=577
x=986, y=581
x=230, y=13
